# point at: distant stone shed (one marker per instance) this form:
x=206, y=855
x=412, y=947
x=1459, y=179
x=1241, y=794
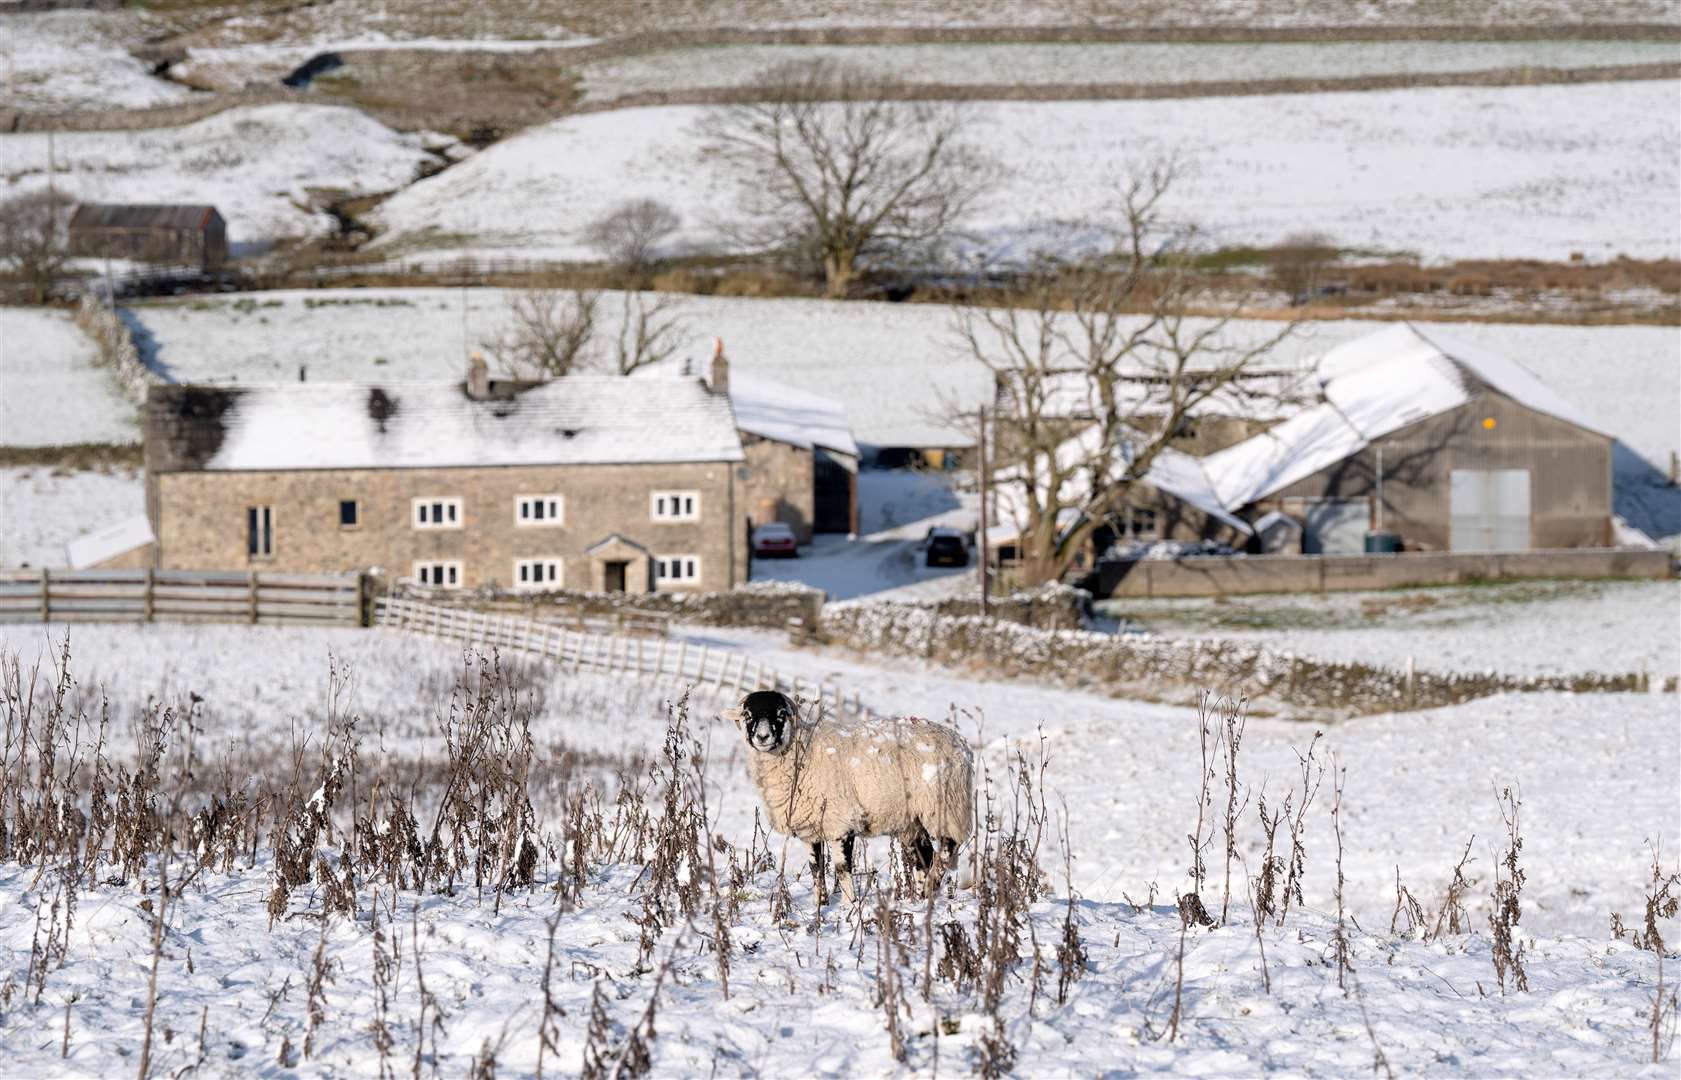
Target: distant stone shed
x=150, y=232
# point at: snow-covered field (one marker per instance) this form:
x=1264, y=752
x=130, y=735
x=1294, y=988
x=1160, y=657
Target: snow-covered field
x=50, y=391
x=61, y=60
x=1528, y=628
x=1127, y=62
x=1454, y=172
x=895, y=367
x=266, y=168
x=43, y=509
x=1597, y=777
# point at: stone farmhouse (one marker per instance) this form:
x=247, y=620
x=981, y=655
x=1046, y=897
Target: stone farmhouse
x=584, y=482
x=145, y=232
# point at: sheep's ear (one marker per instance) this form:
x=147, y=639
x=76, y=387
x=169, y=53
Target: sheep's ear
x=733, y=715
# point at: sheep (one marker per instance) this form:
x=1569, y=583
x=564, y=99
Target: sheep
x=828, y=779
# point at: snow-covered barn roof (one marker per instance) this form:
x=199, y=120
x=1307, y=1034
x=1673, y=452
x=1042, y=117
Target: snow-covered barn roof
x=1171, y=471
x=783, y=414
x=576, y=420
x=1372, y=386
x=91, y=549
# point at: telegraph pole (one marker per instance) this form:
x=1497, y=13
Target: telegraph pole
x=981, y=469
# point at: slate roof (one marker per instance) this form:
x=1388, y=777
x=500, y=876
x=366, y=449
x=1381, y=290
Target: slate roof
x=141, y=216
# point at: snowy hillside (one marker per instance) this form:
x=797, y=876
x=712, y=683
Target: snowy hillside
x=61, y=60
x=262, y=166
x=1476, y=173
x=1094, y=62
x=53, y=394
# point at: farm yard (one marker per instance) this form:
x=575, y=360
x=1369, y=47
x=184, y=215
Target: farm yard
x=1213, y=836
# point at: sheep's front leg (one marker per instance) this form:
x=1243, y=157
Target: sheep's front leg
x=820, y=873
x=848, y=886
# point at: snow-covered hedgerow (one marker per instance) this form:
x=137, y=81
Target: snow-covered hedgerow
x=117, y=350
x=1177, y=669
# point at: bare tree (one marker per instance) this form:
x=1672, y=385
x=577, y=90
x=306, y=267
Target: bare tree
x=551, y=335
x=840, y=161
x=1299, y=264
x=556, y=333
x=33, y=242
x=630, y=235
x=1099, y=373
x=650, y=331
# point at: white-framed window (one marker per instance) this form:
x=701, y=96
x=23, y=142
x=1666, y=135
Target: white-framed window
x=1141, y=522
x=538, y=574
x=676, y=569
x=539, y=511
x=259, y=532
x=438, y=573
x=436, y=512
x=674, y=506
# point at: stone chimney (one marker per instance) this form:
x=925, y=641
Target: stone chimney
x=478, y=377
x=720, y=380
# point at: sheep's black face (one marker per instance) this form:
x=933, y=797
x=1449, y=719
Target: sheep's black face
x=768, y=719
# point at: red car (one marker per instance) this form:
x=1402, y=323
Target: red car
x=775, y=541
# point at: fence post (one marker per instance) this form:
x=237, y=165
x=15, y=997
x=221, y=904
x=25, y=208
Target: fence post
x=146, y=598
x=1411, y=671
x=364, y=601
x=659, y=658
x=46, y=601
x=251, y=592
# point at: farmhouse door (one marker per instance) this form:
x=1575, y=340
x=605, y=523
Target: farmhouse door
x=615, y=577
x=1336, y=526
x=1489, y=510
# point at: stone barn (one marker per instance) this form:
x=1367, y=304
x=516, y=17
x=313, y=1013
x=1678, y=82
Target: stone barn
x=150, y=233
x=1444, y=445
x=802, y=464
x=584, y=482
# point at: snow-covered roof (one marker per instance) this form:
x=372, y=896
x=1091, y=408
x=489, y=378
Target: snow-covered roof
x=91, y=549
x=1171, y=471
x=576, y=420
x=783, y=414
x=1372, y=386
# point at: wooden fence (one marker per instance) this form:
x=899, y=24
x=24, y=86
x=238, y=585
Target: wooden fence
x=180, y=596
x=641, y=657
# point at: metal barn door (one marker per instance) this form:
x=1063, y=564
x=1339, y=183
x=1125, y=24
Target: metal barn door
x=1336, y=527
x=1489, y=510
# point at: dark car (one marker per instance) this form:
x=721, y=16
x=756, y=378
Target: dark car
x=947, y=547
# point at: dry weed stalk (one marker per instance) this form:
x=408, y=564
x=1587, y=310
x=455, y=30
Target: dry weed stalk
x=1234, y=717
x=1339, y=939
x=1506, y=909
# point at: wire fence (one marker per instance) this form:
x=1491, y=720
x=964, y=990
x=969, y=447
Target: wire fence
x=659, y=659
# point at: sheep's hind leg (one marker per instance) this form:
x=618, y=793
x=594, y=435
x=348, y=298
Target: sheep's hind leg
x=820, y=874
x=919, y=854
x=948, y=861
x=849, y=886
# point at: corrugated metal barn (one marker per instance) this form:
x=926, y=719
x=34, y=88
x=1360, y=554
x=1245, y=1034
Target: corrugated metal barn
x=153, y=233
x=1445, y=445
